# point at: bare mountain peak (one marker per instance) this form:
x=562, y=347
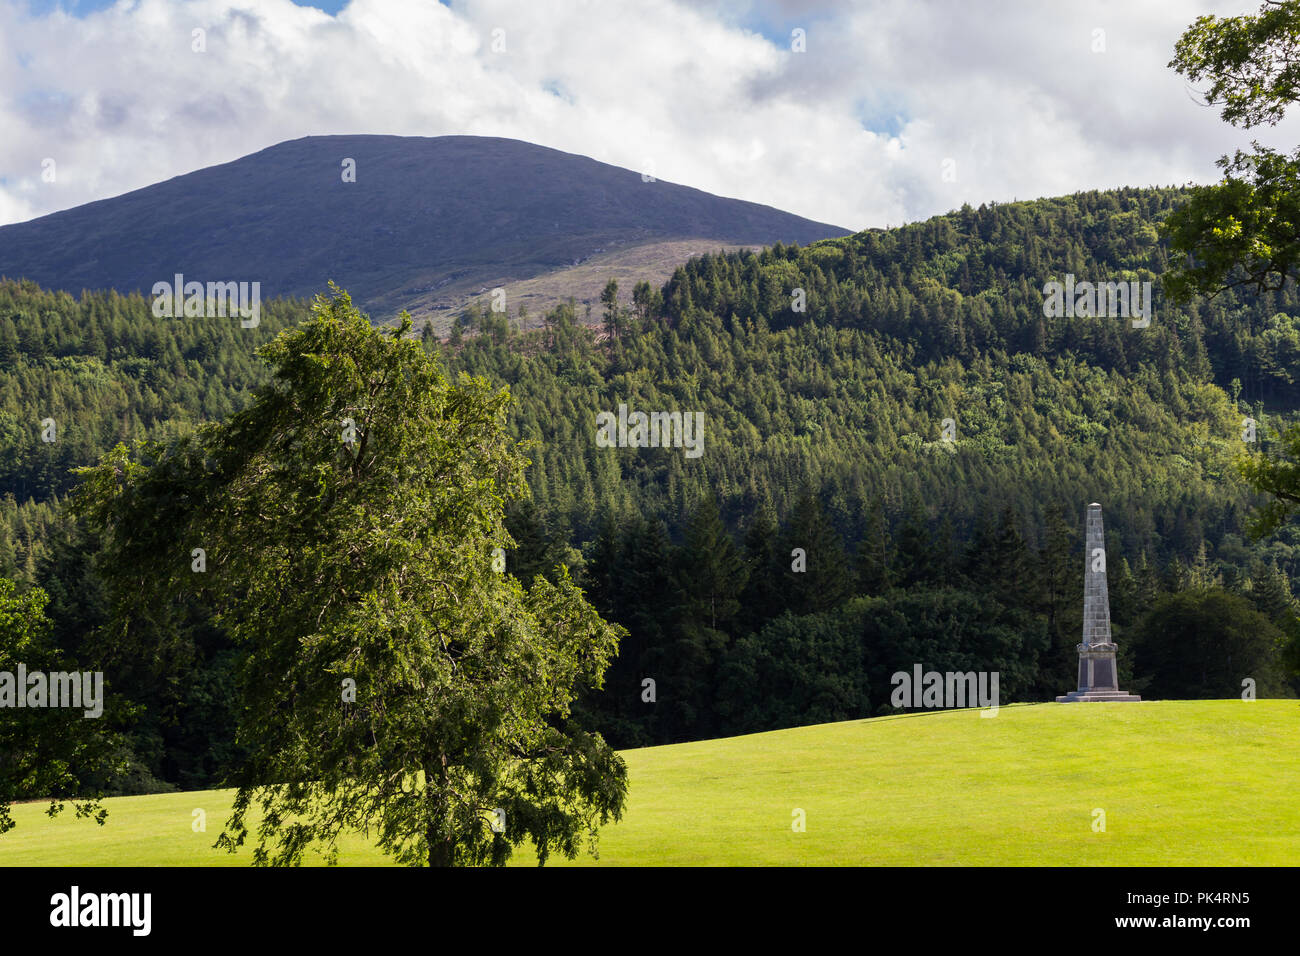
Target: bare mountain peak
x=388, y=217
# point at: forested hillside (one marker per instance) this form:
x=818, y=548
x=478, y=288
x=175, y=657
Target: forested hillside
x=823, y=432
x=105, y=370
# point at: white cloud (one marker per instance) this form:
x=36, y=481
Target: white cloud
x=712, y=95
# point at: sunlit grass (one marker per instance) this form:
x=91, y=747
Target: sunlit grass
x=1179, y=782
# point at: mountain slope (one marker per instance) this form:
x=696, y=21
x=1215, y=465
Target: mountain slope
x=653, y=262
x=424, y=214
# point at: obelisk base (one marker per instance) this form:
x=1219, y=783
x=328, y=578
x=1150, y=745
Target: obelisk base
x=1098, y=677
x=1075, y=696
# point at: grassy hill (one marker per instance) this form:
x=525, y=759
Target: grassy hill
x=1181, y=783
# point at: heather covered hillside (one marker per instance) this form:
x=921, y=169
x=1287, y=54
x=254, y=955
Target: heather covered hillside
x=413, y=223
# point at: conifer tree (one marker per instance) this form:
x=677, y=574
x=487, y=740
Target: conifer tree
x=871, y=558
x=609, y=299
x=818, y=576
x=712, y=573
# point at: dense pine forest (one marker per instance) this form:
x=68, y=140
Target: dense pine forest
x=897, y=452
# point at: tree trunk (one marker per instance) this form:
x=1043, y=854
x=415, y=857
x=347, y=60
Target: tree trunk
x=441, y=846
x=439, y=849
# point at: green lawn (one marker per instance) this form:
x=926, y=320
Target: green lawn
x=1181, y=782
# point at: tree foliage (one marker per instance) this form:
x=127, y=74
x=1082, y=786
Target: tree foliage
x=391, y=680
x=54, y=753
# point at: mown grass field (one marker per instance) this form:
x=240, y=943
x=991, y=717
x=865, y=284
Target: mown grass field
x=1180, y=782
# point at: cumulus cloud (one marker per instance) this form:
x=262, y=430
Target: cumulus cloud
x=895, y=111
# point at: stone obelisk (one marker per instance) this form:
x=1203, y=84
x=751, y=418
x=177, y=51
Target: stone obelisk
x=1098, y=678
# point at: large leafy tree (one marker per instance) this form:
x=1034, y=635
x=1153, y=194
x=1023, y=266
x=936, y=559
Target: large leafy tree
x=1203, y=643
x=1245, y=230
x=394, y=680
